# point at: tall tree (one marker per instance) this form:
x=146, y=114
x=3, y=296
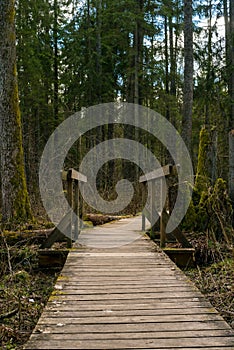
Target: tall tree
x=188, y=74
x=231, y=5
x=15, y=201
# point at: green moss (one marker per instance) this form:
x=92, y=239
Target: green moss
x=189, y=222
x=202, y=181
x=62, y=278
x=21, y=205
x=11, y=13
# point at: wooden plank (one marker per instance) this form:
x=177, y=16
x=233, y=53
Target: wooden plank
x=76, y=175
x=156, y=174
x=129, y=319
x=91, y=307
x=139, y=335
x=165, y=343
x=78, y=291
x=130, y=302
x=133, y=327
x=116, y=313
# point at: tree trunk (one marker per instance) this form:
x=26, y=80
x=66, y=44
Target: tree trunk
x=231, y=166
x=15, y=201
x=188, y=74
x=166, y=66
x=99, y=52
x=209, y=81
x=229, y=38
x=55, y=64
x=232, y=62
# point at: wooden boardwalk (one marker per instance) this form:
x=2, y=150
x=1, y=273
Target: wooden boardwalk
x=126, y=297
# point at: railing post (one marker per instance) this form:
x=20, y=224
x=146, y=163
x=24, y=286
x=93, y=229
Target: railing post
x=150, y=189
x=76, y=210
x=143, y=222
x=162, y=217
x=70, y=202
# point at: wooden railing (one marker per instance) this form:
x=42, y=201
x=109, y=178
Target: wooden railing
x=70, y=223
x=150, y=212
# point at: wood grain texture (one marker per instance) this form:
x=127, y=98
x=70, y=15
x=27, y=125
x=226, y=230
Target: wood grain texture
x=127, y=297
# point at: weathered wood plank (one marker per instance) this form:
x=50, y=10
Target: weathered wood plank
x=93, y=291
x=158, y=343
x=106, y=312
x=76, y=175
x=138, y=335
x=93, y=307
x=131, y=319
x=156, y=174
x=132, y=327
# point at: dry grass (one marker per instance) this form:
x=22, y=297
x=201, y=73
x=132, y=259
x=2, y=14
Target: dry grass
x=214, y=274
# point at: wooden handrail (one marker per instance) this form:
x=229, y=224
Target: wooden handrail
x=157, y=174
x=74, y=200
x=73, y=175
x=152, y=177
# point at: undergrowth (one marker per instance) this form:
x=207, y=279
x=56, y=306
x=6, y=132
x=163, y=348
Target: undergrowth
x=24, y=290
x=213, y=274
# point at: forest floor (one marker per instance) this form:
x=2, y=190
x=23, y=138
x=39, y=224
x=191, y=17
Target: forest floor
x=25, y=287
x=213, y=274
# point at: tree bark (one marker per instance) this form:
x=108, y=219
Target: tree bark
x=188, y=74
x=232, y=62
x=15, y=201
x=55, y=63
x=231, y=166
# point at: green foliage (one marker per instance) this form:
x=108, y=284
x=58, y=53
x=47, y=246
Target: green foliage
x=214, y=212
x=210, y=209
x=105, y=47
x=191, y=217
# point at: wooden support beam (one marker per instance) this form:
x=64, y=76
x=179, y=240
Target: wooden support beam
x=56, y=235
x=177, y=233
x=52, y=258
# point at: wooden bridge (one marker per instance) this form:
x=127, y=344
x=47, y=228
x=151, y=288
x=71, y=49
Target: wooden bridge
x=130, y=296
x=119, y=290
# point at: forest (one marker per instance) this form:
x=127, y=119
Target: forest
x=59, y=57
